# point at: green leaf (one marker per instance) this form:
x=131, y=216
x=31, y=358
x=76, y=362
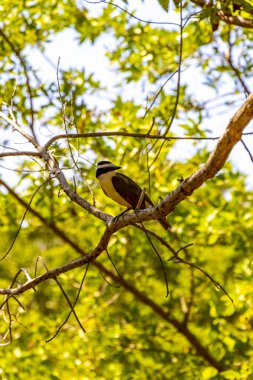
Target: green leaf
x=164, y=4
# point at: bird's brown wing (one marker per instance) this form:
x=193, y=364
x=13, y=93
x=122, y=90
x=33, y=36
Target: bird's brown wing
x=130, y=191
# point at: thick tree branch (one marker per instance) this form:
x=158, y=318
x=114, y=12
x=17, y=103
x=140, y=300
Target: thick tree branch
x=216, y=159
x=215, y=162
x=235, y=20
x=227, y=18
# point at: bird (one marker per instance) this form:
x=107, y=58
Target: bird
x=122, y=189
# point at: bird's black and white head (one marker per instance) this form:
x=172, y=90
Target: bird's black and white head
x=105, y=167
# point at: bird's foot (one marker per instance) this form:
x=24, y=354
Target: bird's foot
x=116, y=218
x=136, y=210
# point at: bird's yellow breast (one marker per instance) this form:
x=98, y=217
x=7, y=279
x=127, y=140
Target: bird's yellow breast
x=107, y=186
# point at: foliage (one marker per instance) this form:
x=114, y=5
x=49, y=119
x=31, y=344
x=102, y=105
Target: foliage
x=127, y=338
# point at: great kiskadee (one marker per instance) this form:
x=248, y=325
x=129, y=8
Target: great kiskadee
x=123, y=189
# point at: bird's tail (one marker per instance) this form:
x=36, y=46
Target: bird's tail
x=164, y=223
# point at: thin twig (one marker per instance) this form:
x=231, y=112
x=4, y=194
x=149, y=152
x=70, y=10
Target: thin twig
x=71, y=311
x=229, y=58
x=158, y=93
x=172, y=117
x=247, y=150
x=141, y=198
x=130, y=14
x=28, y=84
x=114, y=266
x=22, y=220
x=160, y=259
x=216, y=283
x=18, y=153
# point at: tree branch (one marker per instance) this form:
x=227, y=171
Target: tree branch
x=17, y=154
x=216, y=159
x=229, y=58
x=215, y=162
x=235, y=20
x=17, y=128
x=124, y=134
x=227, y=18
x=55, y=171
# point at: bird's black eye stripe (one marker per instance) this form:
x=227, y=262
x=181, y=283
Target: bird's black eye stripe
x=103, y=163
x=103, y=170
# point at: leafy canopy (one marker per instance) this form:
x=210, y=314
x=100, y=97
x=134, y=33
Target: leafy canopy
x=126, y=338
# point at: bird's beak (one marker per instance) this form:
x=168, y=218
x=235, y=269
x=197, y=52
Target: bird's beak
x=116, y=167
